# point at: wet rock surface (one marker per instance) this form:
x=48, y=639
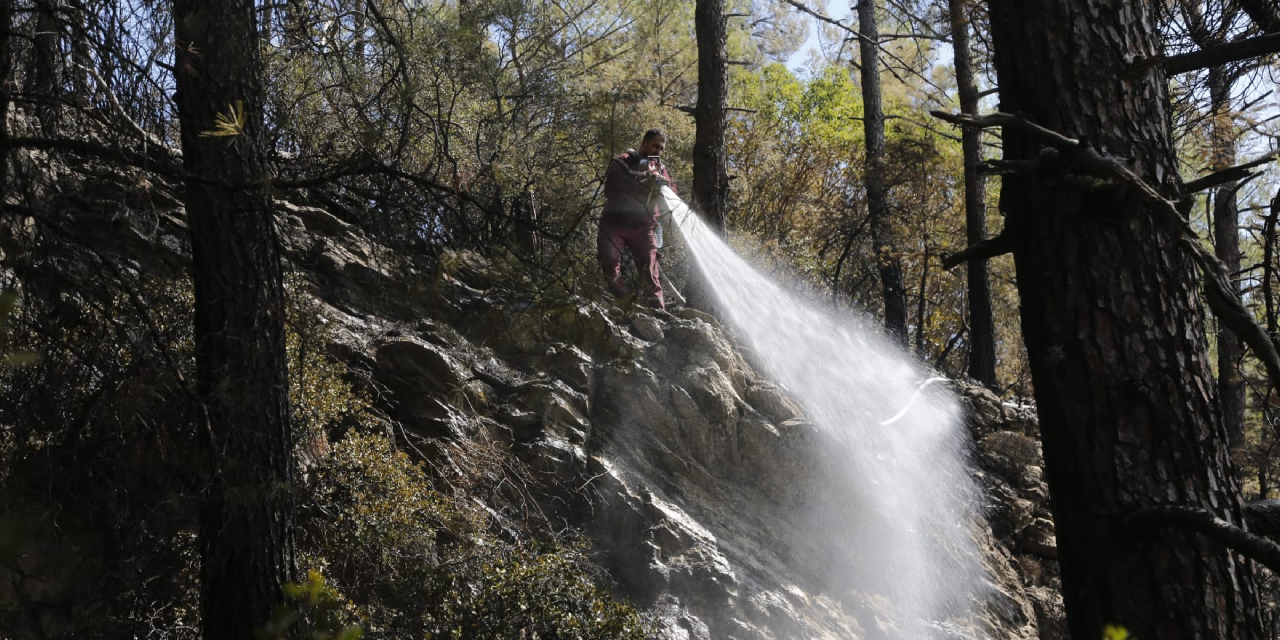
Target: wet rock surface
x=687, y=468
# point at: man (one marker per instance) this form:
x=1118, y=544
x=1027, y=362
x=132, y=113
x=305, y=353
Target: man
x=630, y=217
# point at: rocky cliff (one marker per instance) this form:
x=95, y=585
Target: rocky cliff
x=646, y=430
x=652, y=433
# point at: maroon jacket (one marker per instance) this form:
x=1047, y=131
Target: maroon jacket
x=626, y=193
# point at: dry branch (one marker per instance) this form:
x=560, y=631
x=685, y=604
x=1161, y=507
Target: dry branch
x=984, y=250
x=1202, y=521
x=1229, y=174
x=1263, y=517
x=1219, y=55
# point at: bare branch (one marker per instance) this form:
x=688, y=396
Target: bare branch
x=1202, y=521
x=1263, y=517
x=1217, y=56
x=115, y=103
x=985, y=250
x=1229, y=174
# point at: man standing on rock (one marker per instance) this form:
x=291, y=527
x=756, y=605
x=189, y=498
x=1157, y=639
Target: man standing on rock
x=630, y=218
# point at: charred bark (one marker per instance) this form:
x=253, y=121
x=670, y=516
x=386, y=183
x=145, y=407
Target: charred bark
x=1114, y=330
x=246, y=521
x=982, y=329
x=887, y=262
x=710, y=173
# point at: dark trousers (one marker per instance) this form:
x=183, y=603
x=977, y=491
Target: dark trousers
x=644, y=250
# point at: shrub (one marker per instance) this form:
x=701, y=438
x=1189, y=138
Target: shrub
x=416, y=562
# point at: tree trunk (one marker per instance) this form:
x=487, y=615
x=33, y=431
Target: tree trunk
x=246, y=522
x=42, y=77
x=294, y=27
x=359, y=17
x=81, y=54
x=1114, y=330
x=710, y=175
x=1226, y=235
x=6, y=70
x=922, y=304
x=887, y=262
x=982, y=328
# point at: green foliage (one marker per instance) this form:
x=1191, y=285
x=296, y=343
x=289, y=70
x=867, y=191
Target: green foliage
x=1115, y=632
x=319, y=394
x=417, y=562
x=530, y=591
x=315, y=605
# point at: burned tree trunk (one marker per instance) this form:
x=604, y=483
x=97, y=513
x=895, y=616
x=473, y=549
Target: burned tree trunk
x=1114, y=328
x=246, y=521
x=710, y=174
x=982, y=334
x=887, y=262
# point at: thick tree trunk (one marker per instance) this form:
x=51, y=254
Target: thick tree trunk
x=1226, y=236
x=1114, y=330
x=887, y=262
x=982, y=328
x=246, y=523
x=710, y=174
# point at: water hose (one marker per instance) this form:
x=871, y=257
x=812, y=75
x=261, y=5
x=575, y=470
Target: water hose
x=915, y=396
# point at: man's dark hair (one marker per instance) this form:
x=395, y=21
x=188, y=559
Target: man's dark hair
x=654, y=133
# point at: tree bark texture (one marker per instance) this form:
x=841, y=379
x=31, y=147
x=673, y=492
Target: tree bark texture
x=982, y=328
x=1226, y=243
x=6, y=70
x=888, y=264
x=42, y=76
x=246, y=522
x=1114, y=330
x=710, y=172
x=81, y=53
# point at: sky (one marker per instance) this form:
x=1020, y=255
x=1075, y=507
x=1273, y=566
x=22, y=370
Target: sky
x=838, y=9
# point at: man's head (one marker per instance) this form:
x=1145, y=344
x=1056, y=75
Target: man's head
x=653, y=143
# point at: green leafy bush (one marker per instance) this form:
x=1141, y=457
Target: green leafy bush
x=418, y=563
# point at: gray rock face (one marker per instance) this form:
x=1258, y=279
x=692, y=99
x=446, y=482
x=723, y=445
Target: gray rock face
x=652, y=434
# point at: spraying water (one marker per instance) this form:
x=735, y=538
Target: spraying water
x=890, y=515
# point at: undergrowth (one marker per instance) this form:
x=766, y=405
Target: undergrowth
x=97, y=445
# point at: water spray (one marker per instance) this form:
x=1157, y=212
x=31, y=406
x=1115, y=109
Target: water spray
x=889, y=505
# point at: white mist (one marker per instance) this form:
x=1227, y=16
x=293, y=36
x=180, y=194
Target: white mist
x=891, y=513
